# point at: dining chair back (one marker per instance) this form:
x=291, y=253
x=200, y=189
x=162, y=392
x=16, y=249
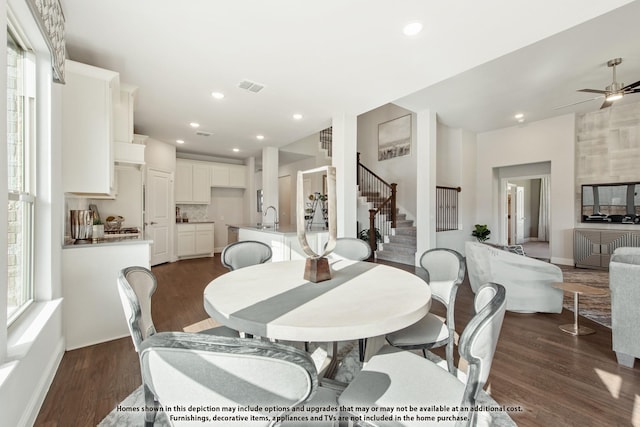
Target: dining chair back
x=136, y=285
x=263, y=378
x=351, y=248
x=445, y=270
x=394, y=375
x=245, y=253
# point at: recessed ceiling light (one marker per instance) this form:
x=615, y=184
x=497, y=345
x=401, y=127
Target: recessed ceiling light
x=194, y=125
x=412, y=29
x=217, y=95
x=297, y=116
x=260, y=137
x=179, y=141
x=235, y=150
x=519, y=116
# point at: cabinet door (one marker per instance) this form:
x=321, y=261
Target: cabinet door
x=238, y=176
x=586, y=248
x=186, y=243
x=87, y=129
x=219, y=176
x=123, y=115
x=204, y=242
x=201, y=183
x=184, y=182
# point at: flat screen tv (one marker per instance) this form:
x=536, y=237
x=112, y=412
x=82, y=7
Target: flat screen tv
x=613, y=203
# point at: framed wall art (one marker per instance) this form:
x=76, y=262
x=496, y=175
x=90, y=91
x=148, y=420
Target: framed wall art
x=394, y=138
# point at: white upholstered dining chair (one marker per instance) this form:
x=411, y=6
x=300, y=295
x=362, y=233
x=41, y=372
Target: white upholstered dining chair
x=195, y=370
x=396, y=378
x=245, y=253
x=136, y=285
x=445, y=270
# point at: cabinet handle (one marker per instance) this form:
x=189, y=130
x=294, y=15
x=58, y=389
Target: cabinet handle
x=152, y=222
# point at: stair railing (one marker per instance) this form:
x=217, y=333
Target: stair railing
x=383, y=196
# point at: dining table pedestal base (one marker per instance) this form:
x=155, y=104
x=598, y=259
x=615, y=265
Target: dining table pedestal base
x=317, y=270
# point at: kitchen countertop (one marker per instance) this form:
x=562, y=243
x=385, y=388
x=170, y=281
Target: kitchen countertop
x=133, y=240
x=284, y=229
x=196, y=222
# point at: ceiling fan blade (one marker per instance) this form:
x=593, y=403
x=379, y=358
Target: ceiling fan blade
x=606, y=104
x=579, y=102
x=632, y=85
x=592, y=91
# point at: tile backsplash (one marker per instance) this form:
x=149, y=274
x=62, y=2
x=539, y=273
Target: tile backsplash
x=195, y=213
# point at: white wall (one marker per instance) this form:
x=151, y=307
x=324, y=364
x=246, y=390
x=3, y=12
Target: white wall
x=160, y=155
x=401, y=170
x=227, y=207
x=31, y=348
x=550, y=140
x=456, y=157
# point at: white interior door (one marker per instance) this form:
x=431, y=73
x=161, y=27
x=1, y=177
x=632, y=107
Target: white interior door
x=159, y=214
x=520, y=215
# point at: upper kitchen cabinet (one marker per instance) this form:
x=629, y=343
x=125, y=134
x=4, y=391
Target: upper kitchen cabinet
x=192, y=182
x=227, y=175
x=88, y=101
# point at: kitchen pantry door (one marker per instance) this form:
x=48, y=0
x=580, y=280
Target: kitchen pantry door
x=159, y=214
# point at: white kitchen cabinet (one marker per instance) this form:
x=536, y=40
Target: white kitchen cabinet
x=237, y=176
x=88, y=100
x=227, y=175
x=92, y=309
x=192, y=182
x=195, y=239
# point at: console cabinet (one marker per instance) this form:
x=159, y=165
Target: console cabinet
x=592, y=248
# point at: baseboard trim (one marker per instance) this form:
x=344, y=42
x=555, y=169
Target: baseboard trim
x=562, y=261
x=33, y=406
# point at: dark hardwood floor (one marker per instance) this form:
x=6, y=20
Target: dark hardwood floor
x=554, y=378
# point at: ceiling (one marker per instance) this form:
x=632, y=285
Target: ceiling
x=331, y=57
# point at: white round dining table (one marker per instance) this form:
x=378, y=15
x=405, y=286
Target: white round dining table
x=361, y=300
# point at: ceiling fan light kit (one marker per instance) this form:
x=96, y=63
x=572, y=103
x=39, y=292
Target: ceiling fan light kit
x=615, y=91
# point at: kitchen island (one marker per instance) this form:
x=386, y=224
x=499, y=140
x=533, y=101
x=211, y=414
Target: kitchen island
x=92, y=309
x=283, y=240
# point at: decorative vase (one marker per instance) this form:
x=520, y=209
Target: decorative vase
x=317, y=266
x=81, y=222
x=97, y=231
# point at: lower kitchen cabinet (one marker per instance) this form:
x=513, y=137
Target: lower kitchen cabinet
x=195, y=239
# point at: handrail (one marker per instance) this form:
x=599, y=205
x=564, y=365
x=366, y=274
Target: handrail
x=370, y=183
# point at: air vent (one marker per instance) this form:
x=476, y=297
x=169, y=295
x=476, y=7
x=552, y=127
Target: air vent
x=250, y=86
x=203, y=133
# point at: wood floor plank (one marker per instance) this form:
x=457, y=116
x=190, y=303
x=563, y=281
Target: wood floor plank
x=556, y=379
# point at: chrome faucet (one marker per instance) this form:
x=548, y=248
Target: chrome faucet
x=275, y=215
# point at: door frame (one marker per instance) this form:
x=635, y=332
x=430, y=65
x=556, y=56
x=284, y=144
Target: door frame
x=171, y=199
x=504, y=205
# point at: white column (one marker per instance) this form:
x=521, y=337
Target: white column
x=250, y=195
x=269, y=180
x=426, y=127
x=344, y=149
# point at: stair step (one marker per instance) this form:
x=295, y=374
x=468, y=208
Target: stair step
x=371, y=193
x=404, y=239
x=399, y=248
x=405, y=231
x=405, y=223
x=408, y=259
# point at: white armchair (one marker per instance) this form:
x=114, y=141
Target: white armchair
x=528, y=281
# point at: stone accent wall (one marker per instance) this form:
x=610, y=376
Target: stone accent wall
x=607, y=148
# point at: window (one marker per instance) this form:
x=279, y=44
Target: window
x=20, y=137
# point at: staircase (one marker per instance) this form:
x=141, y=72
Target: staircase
x=399, y=244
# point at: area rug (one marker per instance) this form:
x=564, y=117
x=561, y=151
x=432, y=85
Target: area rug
x=130, y=412
x=596, y=308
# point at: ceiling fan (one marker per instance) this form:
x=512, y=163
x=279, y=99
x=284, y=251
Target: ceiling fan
x=613, y=92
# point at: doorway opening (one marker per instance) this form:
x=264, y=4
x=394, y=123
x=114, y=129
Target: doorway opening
x=526, y=202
